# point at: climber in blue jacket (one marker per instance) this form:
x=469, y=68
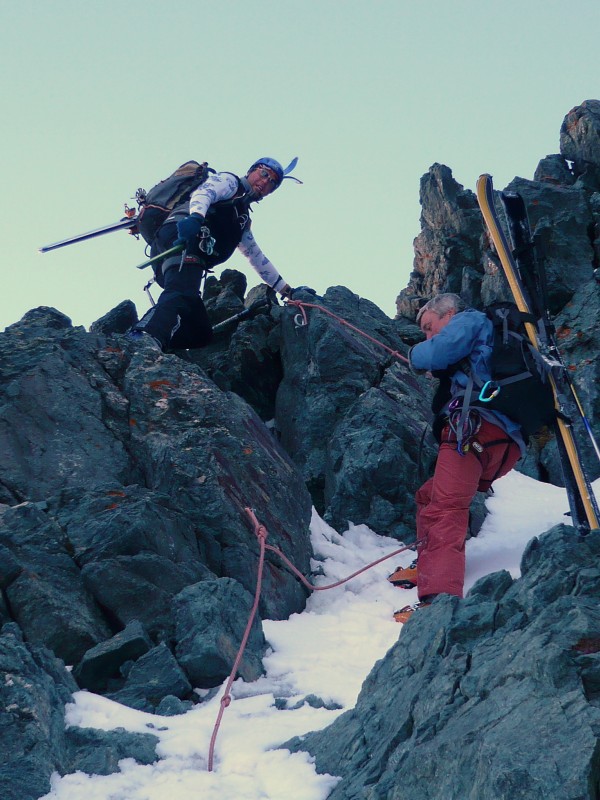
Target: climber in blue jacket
x=476, y=445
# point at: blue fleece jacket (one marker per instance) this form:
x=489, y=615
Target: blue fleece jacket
x=469, y=334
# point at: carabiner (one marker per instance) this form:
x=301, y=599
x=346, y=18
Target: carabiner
x=495, y=391
x=207, y=242
x=300, y=320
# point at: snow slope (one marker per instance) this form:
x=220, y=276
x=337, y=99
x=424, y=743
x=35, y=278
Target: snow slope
x=327, y=651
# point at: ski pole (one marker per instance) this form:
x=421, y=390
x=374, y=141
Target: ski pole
x=178, y=248
x=247, y=312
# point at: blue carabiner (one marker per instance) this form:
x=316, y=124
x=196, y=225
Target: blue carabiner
x=495, y=391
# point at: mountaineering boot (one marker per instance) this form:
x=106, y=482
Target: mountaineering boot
x=404, y=614
x=405, y=577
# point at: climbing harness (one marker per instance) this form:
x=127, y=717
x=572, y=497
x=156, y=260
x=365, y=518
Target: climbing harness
x=464, y=425
x=261, y=534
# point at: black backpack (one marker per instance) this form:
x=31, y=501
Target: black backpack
x=519, y=385
x=156, y=204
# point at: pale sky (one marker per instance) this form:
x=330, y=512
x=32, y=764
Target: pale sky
x=99, y=98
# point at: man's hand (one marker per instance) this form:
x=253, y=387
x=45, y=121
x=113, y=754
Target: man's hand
x=188, y=229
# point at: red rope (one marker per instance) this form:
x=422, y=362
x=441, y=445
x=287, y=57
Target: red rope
x=302, y=305
x=261, y=534
x=343, y=580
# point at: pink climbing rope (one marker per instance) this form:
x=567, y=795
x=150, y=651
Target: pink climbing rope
x=302, y=305
x=261, y=534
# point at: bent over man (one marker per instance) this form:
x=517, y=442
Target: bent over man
x=476, y=446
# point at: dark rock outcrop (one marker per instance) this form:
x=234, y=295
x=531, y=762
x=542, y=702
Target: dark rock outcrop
x=580, y=142
x=126, y=479
x=448, y=249
x=476, y=697
x=33, y=739
x=336, y=382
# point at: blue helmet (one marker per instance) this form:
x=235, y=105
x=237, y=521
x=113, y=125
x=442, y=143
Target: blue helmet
x=276, y=167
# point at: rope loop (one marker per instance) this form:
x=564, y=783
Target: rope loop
x=261, y=534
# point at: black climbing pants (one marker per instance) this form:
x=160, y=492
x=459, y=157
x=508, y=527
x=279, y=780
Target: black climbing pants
x=179, y=319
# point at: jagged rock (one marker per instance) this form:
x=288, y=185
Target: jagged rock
x=135, y=553
x=10, y=568
x=560, y=219
x=43, y=585
x=375, y=461
x=33, y=691
x=225, y=297
x=407, y=329
x=98, y=752
x=554, y=169
x=155, y=676
x=579, y=341
x=326, y=370
x=580, y=142
x=118, y=320
x=101, y=663
x=595, y=231
x=210, y=453
x=170, y=706
x=474, y=699
x=448, y=249
x=58, y=404
x=211, y=620
x=245, y=357
x=141, y=587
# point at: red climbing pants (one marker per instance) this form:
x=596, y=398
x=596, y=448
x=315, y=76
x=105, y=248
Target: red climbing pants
x=443, y=506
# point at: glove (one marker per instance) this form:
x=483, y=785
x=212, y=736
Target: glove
x=188, y=229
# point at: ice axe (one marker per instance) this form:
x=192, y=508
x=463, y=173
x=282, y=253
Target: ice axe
x=262, y=302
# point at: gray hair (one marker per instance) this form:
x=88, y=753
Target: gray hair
x=442, y=304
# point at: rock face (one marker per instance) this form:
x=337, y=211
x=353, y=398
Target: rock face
x=33, y=739
x=346, y=410
x=453, y=254
x=125, y=546
x=477, y=696
x=448, y=249
x=580, y=142
x=124, y=482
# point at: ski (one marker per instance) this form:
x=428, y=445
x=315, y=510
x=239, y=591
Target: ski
x=535, y=279
x=123, y=224
x=526, y=281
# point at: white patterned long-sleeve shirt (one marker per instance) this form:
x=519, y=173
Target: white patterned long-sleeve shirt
x=223, y=186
